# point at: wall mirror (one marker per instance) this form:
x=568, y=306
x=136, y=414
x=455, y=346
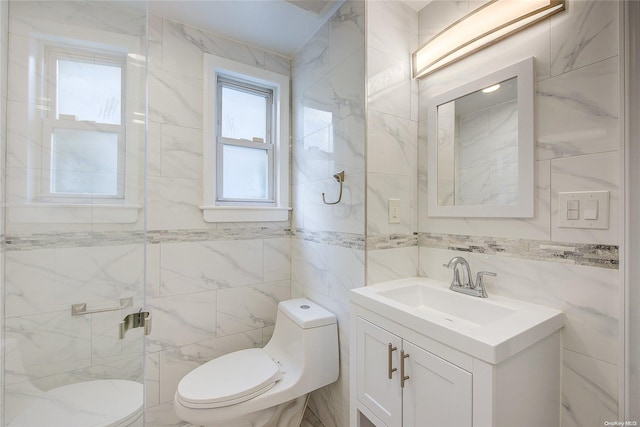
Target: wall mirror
x=481, y=147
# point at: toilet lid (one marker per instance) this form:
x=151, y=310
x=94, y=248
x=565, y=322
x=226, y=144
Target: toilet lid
x=229, y=379
x=100, y=403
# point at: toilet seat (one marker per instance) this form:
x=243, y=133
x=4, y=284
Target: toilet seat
x=99, y=403
x=229, y=379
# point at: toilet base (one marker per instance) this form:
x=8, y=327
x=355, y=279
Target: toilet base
x=288, y=414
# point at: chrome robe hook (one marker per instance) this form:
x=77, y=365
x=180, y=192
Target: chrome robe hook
x=340, y=178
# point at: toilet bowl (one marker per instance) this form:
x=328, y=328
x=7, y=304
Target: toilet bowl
x=97, y=403
x=267, y=386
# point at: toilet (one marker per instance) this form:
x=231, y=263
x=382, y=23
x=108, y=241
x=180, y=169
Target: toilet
x=96, y=403
x=268, y=386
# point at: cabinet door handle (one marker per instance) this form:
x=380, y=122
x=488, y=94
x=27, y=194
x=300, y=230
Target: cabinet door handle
x=403, y=377
x=391, y=349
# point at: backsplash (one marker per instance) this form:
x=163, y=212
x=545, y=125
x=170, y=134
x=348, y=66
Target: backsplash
x=595, y=255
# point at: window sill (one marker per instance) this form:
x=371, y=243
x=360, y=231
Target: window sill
x=47, y=213
x=244, y=213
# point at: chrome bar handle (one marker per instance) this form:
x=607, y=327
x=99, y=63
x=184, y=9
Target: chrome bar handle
x=403, y=377
x=391, y=349
x=81, y=308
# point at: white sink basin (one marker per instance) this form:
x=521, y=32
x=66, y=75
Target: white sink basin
x=491, y=329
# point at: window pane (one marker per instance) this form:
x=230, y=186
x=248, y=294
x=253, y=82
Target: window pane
x=84, y=162
x=245, y=173
x=244, y=115
x=89, y=91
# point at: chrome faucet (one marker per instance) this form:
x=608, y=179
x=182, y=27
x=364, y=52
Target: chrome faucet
x=466, y=285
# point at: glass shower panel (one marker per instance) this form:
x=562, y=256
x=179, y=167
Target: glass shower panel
x=74, y=230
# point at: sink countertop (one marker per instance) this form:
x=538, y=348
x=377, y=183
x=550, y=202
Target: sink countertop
x=491, y=329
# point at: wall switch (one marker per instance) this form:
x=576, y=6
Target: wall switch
x=394, y=211
x=583, y=209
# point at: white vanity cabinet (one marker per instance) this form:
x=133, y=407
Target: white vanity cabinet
x=403, y=384
x=447, y=381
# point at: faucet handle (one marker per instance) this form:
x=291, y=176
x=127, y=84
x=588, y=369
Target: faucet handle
x=480, y=282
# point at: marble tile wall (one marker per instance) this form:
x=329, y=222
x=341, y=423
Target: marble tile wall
x=392, y=138
x=327, y=246
x=213, y=288
x=4, y=42
x=577, y=148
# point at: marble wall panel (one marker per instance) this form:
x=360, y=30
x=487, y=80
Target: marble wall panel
x=277, y=260
x=311, y=63
x=341, y=91
x=4, y=38
x=182, y=319
x=173, y=203
x=391, y=144
x=181, y=152
x=246, y=308
x=585, y=34
x=346, y=32
x=347, y=216
x=381, y=188
x=49, y=343
x=200, y=266
x=577, y=112
x=175, y=98
x=183, y=47
x=589, y=390
x=391, y=264
x=48, y=280
x=596, y=172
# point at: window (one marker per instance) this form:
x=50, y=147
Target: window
x=85, y=121
x=246, y=143
x=84, y=132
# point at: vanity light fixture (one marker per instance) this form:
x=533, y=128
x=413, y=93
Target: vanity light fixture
x=491, y=88
x=481, y=28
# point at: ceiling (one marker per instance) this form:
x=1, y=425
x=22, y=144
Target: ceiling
x=275, y=25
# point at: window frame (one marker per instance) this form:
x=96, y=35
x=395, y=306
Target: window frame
x=215, y=210
x=27, y=206
x=223, y=81
x=51, y=122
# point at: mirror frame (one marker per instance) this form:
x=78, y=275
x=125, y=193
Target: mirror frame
x=524, y=208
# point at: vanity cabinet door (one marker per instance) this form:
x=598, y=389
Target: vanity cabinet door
x=381, y=395
x=437, y=393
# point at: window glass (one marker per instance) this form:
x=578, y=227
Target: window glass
x=89, y=91
x=245, y=173
x=244, y=114
x=84, y=162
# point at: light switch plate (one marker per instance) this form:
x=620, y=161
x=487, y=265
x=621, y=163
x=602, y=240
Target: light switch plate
x=587, y=200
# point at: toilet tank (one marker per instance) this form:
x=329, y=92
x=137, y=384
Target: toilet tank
x=305, y=342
